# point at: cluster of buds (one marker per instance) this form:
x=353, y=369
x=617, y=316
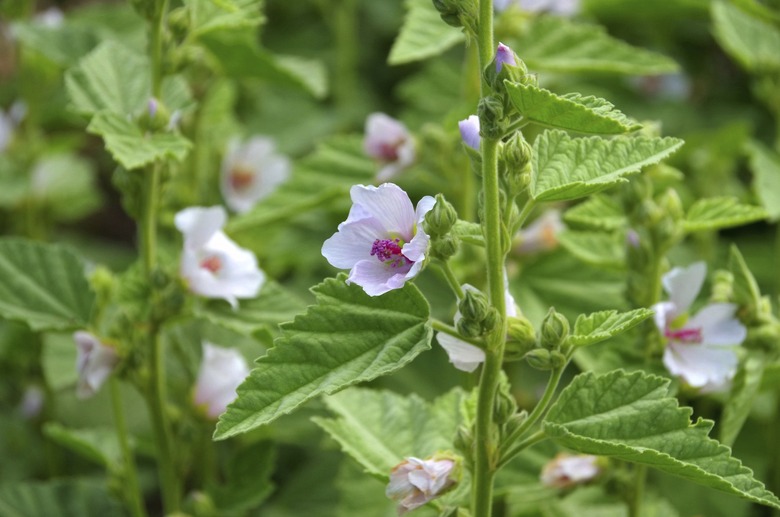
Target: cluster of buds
x=438, y=224
x=552, y=349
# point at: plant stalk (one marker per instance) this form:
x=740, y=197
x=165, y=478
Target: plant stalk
x=133, y=493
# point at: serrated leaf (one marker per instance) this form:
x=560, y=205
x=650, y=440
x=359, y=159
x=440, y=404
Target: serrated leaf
x=422, y=35
x=631, y=417
x=63, y=45
x=380, y=428
x=43, y=285
x=597, y=248
x=210, y=15
x=599, y=326
x=750, y=40
x=765, y=165
x=58, y=499
x=572, y=112
x=555, y=44
x=133, y=148
x=715, y=213
x=569, y=168
x=744, y=390
x=98, y=445
x=348, y=337
x=596, y=213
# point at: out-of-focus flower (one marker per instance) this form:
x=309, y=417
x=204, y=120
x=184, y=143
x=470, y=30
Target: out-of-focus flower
x=567, y=470
x=700, y=349
x=469, y=131
x=542, y=234
x=557, y=7
x=251, y=171
x=94, y=363
x=51, y=18
x=504, y=55
x=465, y=356
x=32, y=402
x=415, y=482
x=382, y=242
x=221, y=372
x=675, y=87
x=388, y=141
x=213, y=265
x=8, y=122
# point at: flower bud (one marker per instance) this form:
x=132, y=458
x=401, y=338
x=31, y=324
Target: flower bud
x=95, y=363
x=517, y=152
x=567, y=470
x=491, y=117
x=441, y=218
x=415, y=482
x=505, y=405
x=179, y=22
x=464, y=440
x=514, y=422
x=521, y=337
x=469, y=131
x=474, y=305
x=469, y=328
x=491, y=320
x=444, y=247
x=540, y=359
x=156, y=116
x=506, y=65
x=555, y=330
x=722, y=287
x=449, y=12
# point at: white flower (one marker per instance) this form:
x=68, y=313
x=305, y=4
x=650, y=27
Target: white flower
x=221, y=372
x=567, y=470
x=542, y=234
x=382, y=242
x=251, y=171
x=465, y=356
x=700, y=349
x=414, y=482
x=213, y=265
x=94, y=363
x=51, y=18
x=557, y=7
x=388, y=141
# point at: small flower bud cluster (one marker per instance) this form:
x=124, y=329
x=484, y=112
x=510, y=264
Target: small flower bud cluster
x=478, y=317
x=437, y=224
x=552, y=350
x=458, y=13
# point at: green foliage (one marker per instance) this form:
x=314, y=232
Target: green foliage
x=348, y=337
x=569, y=168
x=631, y=417
x=746, y=292
x=572, y=112
x=743, y=393
x=43, y=285
x=720, y=212
x=57, y=499
x=750, y=40
x=598, y=212
x=765, y=165
x=133, y=148
x=423, y=34
x=597, y=248
x=603, y=325
x=555, y=44
x=248, y=479
x=98, y=445
x=380, y=428
x=208, y=15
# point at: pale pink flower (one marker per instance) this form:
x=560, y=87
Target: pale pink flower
x=213, y=265
x=700, y=349
x=251, y=171
x=221, y=372
x=95, y=362
x=567, y=470
x=415, y=482
x=469, y=131
x=388, y=141
x=542, y=234
x=504, y=55
x=382, y=242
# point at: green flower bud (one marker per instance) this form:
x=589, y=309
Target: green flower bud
x=516, y=155
x=557, y=359
x=555, y=330
x=449, y=12
x=505, y=405
x=540, y=359
x=520, y=338
x=491, y=320
x=474, y=305
x=441, y=218
x=156, y=117
x=469, y=328
x=179, y=22
x=444, y=247
x=464, y=440
x=514, y=422
x=491, y=117
x=722, y=287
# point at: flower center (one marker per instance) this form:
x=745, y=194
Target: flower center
x=688, y=336
x=389, y=250
x=241, y=177
x=388, y=151
x=213, y=263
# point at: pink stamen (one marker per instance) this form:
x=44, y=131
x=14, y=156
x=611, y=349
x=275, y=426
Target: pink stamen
x=213, y=264
x=389, y=250
x=684, y=335
x=241, y=178
x=389, y=151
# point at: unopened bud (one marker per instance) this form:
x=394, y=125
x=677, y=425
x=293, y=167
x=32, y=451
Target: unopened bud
x=444, y=247
x=449, y=12
x=517, y=152
x=474, y=305
x=515, y=421
x=464, y=440
x=520, y=337
x=469, y=328
x=491, y=117
x=440, y=219
x=540, y=359
x=156, y=116
x=722, y=287
x=178, y=21
x=491, y=320
x=505, y=406
x=555, y=330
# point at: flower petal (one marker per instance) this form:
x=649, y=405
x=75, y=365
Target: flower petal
x=198, y=224
x=376, y=277
x=684, y=284
x=389, y=205
x=469, y=131
x=463, y=356
x=700, y=365
x=718, y=325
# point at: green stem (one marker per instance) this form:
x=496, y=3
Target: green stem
x=635, y=505
x=452, y=331
x=345, y=33
x=519, y=447
x=446, y=270
x=156, y=46
x=524, y=213
x=148, y=227
x=135, y=498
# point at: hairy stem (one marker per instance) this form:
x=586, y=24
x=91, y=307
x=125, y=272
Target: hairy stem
x=449, y=276
x=440, y=326
x=133, y=492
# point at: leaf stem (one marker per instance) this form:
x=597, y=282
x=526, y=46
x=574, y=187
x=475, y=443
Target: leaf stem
x=440, y=326
x=635, y=505
x=133, y=492
x=446, y=270
x=519, y=447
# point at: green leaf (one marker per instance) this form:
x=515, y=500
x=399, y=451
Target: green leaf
x=43, y=285
x=98, y=445
x=570, y=168
x=631, y=417
x=715, y=213
x=743, y=393
x=597, y=248
x=603, y=325
x=63, y=45
x=750, y=40
x=58, y=499
x=65, y=184
x=133, y=148
x=555, y=44
x=223, y=15
x=380, y=428
x=348, y=337
x=423, y=34
x=248, y=479
x=597, y=213
x=746, y=292
x=765, y=165
x=571, y=112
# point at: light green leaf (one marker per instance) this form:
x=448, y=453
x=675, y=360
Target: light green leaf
x=98, y=445
x=570, y=168
x=133, y=148
x=422, y=35
x=65, y=184
x=571, y=112
x=63, y=45
x=248, y=479
x=212, y=15
x=715, y=213
x=596, y=213
x=750, y=40
x=348, y=337
x=597, y=248
x=380, y=428
x=603, y=325
x=744, y=390
x=765, y=165
x=43, y=285
x=631, y=417
x=58, y=499
x=555, y=44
